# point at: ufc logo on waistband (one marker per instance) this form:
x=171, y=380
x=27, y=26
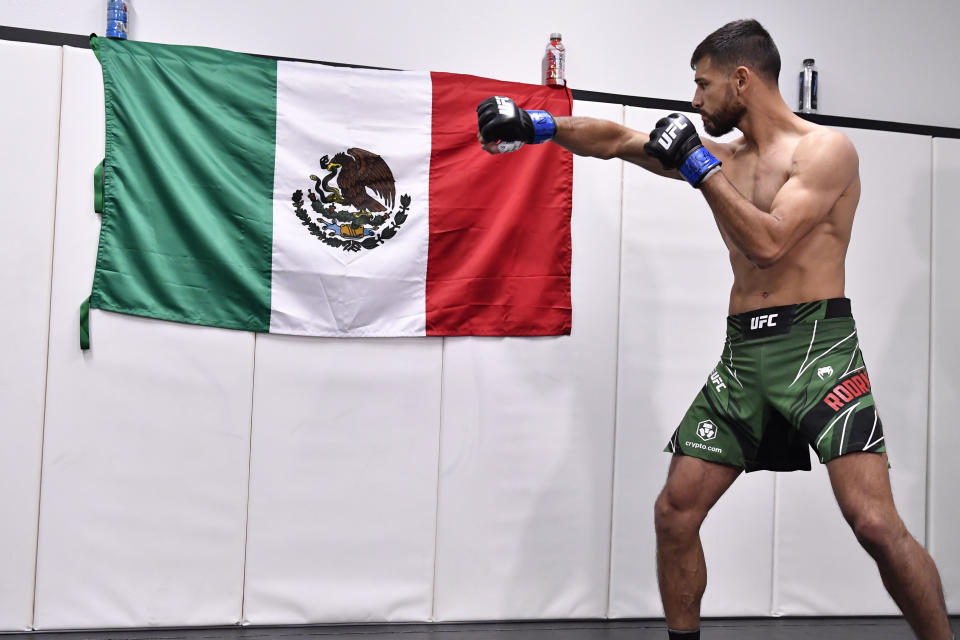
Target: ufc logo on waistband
x=668, y=136
x=758, y=322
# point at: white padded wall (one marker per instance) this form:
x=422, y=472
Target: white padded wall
x=30, y=113
x=343, y=480
x=527, y=441
x=943, y=519
x=675, y=287
x=820, y=568
x=146, y=441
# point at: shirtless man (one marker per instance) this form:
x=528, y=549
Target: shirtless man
x=784, y=202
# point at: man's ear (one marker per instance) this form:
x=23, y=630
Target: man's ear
x=742, y=79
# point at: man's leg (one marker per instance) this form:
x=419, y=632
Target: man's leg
x=861, y=484
x=693, y=487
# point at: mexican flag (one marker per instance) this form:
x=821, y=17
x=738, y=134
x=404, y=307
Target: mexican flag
x=301, y=198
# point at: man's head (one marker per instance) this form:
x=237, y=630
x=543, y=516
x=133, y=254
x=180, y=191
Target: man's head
x=727, y=62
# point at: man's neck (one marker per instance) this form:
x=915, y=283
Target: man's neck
x=766, y=120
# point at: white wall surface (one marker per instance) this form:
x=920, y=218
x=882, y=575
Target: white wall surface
x=880, y=59
x=30, y=76
x=944, y=476
x=343, y=491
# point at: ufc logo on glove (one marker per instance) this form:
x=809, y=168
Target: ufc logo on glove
x=506, y=106
x=668, y=136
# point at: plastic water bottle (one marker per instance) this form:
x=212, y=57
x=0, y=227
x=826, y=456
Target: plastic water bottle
x=554, y=68
x=117, y=19
x=808, y=87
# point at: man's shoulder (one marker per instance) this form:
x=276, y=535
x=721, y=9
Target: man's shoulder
x=815, y=137
x=824, y=146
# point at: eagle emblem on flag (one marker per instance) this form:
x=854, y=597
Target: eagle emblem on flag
x=353, y=202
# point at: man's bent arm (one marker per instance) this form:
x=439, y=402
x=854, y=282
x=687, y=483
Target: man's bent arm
x=824, y=166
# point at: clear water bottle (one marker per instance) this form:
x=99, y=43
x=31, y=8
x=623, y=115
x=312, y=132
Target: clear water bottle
x=808, y=87
x=554, y=68
x=117, y=19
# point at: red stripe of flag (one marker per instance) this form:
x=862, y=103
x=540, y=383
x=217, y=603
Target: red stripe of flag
x=499, y=245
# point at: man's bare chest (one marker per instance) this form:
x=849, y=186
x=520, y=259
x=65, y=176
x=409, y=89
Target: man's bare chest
x=759, y=177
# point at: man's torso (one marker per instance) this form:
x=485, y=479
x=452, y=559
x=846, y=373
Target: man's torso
x=813, y=269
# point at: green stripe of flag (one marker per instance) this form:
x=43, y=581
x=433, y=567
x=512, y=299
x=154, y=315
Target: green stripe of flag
x=188, y=196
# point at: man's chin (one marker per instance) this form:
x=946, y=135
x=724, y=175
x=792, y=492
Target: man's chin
x=716, y=131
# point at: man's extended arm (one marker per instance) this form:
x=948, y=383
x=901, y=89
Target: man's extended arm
x=824, y=165
x=672, y=149
x=501, y=121
x=604, y=139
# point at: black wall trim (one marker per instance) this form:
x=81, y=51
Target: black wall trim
x=73, y=40
x=882, y=125
x=44, y=37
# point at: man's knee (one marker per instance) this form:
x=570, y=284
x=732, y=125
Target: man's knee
x=878, y=530
x=676, y=519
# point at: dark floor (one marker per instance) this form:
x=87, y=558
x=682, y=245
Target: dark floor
x=717, y=629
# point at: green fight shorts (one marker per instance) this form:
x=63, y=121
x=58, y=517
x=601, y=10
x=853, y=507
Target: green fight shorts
x=788, y=377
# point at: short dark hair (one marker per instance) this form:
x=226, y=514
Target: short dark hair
x=741, y=42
